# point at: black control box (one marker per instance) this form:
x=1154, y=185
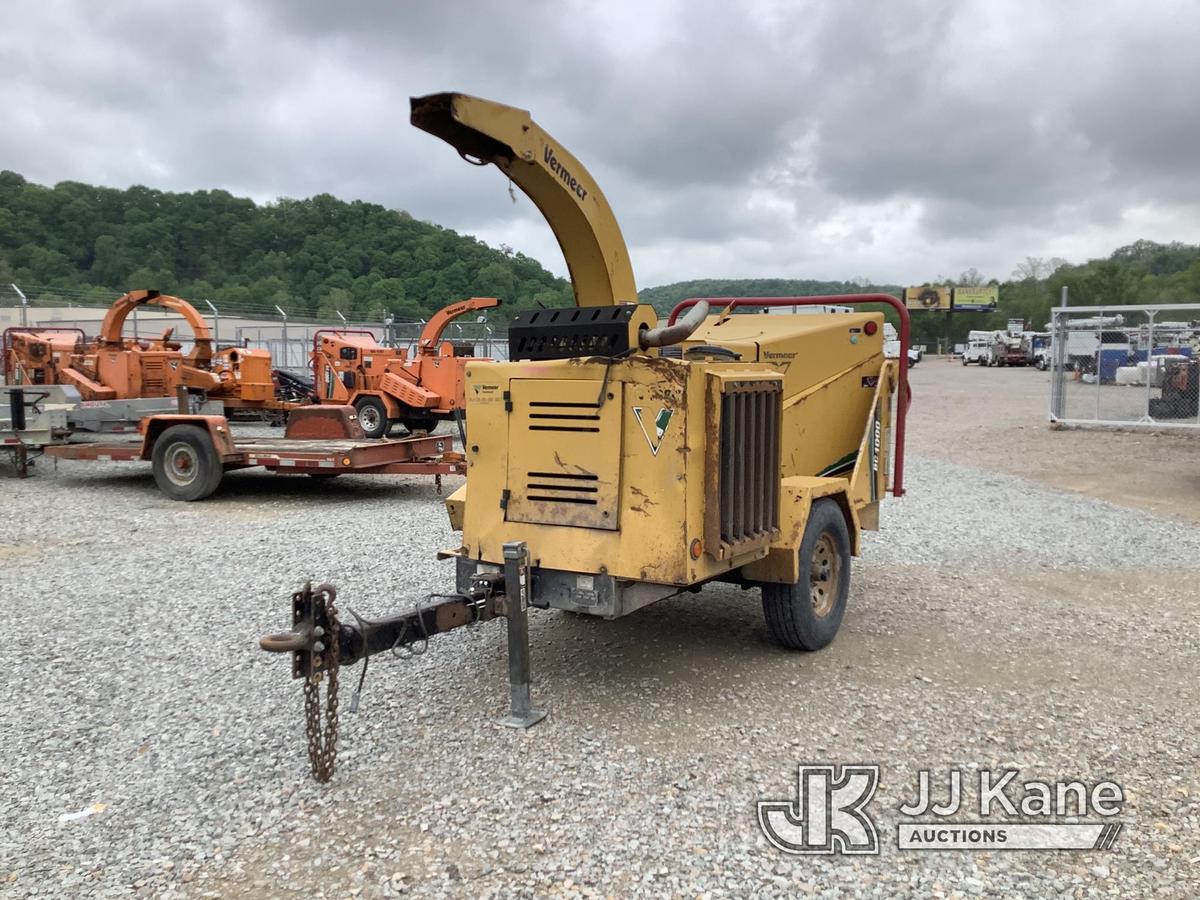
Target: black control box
x=571, y=332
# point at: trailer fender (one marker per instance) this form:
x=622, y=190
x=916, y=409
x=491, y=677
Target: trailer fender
x=216, y=426
x=456, y=507
x=781, y=565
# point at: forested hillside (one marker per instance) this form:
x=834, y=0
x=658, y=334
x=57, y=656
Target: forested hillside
x=315, y=256
x=322, y=255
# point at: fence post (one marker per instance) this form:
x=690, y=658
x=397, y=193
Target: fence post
x=1149, y=361
x=24, y=305
x=216, y=324
x=286, y=347
x=1058, y=362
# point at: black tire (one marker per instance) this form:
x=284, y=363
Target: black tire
x=964, y=359
x=372, y=416
x=416, y=422
x=806, y=615
x=185, y=463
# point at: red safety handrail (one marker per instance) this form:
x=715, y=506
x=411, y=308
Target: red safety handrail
x=730, y=303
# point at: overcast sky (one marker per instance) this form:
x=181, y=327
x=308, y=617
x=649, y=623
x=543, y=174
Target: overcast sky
x=895, y=140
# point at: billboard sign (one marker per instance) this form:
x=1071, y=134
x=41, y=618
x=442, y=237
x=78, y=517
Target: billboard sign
x=977, y=299
x=927, y=297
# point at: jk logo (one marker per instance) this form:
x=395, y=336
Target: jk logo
x=661, y=421
x=827, y=815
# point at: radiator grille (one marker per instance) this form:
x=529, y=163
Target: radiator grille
x=749, y=460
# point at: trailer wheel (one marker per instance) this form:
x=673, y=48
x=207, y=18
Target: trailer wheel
x=372, y=416
x=806, y=615
x=185, y=463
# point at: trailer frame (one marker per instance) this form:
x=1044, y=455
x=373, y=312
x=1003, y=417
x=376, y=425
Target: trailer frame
x=334, y=445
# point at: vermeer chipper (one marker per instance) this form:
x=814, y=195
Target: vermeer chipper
x=616, y=461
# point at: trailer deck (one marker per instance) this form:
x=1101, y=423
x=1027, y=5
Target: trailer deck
x=406, y=456
x=190, y=453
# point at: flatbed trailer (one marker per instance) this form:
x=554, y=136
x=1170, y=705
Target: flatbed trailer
x=189, y=454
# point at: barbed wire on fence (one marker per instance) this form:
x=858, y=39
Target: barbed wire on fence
x=47, y=297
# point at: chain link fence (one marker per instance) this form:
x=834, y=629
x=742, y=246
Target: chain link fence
x=289, y=338
x=1125, y=366
x=291, y=344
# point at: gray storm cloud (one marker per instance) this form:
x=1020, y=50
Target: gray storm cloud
x=888, y=140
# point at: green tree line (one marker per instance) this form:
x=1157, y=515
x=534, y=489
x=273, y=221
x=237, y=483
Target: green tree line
x=317, y=257
x=322, y=256
x=1143, y=272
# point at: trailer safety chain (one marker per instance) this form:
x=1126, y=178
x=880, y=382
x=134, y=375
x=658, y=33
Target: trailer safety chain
x=322, y=743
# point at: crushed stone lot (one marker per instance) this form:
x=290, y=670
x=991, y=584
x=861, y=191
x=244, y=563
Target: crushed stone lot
x=998, y=620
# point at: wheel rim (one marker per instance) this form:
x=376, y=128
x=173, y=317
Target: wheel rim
x=824, y=575
x=368, y=417
x=183, y=464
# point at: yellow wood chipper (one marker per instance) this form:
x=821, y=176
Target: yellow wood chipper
x=615, y=461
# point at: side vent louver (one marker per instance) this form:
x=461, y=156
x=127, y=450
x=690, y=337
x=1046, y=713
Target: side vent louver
x=559, y=488
x=564, y=417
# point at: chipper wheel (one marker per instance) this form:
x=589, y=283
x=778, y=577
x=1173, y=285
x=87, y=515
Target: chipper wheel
x=806, y=615
x=372, y=416
x=185, y=463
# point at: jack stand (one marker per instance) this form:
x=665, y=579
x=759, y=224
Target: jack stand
x=462, y=428
x=21, y=459
x=517, y=584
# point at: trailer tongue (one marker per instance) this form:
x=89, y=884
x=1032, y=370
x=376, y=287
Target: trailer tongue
x=320, y=644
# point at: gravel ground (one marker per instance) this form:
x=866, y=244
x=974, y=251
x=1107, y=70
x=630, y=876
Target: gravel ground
x=150, y=748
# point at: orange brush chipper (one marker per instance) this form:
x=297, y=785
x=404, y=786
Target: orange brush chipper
x=388, y=385
x=113, y=367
